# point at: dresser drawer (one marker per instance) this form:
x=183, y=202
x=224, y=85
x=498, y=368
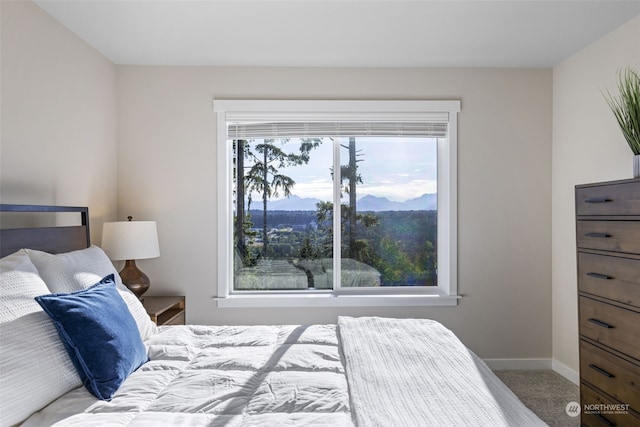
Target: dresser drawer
x=617, y=236
x=609, y=373
x=609, y=325
x=610, y=277
x=613, y=199
x=599, y=411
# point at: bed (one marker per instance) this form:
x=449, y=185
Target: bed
x=231, y=376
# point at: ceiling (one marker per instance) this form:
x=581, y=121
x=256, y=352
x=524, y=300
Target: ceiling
x=341, y=33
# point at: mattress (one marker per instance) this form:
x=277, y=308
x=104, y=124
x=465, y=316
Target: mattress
x=361, y=372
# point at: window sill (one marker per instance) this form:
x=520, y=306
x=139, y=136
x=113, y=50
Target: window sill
x=329, y=300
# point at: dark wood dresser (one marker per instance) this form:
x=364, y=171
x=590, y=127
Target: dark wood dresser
x=608, y=249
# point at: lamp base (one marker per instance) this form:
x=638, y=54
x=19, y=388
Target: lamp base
x=134, y=279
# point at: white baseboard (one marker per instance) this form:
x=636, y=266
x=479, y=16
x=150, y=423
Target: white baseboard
x=566, y=372
x=518, y=364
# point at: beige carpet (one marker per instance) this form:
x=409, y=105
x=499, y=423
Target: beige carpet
x=546, y=393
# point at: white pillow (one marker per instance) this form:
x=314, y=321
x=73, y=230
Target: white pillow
x=77, y=270
x=35, y=368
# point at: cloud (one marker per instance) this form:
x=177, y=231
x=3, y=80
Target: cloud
x=396, y=168
x=400, y=192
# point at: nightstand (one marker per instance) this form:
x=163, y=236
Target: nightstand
x=166, y=310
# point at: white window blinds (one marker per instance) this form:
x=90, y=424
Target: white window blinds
x=257, y=125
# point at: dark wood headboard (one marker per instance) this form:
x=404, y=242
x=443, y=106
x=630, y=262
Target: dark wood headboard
x=49, y=238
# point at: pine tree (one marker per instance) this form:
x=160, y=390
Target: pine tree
x=263, y=176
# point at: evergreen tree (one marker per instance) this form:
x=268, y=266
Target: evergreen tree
x=263, y=176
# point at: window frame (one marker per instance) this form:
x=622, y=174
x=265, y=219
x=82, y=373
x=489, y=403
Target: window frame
x=445, y=293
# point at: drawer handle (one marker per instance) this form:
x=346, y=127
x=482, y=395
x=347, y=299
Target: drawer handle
x=606, y=421
x=599, y=276
x=598, y=200
x=601, y=371
x=600, y=323
x=599, y=235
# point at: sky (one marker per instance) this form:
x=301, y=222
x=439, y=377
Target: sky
x=396, y=168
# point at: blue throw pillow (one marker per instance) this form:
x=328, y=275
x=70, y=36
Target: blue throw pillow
x=99, y=333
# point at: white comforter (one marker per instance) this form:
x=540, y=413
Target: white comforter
x=241, y=376
x=245, y=376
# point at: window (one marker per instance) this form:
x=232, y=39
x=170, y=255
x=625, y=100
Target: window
x=336, y=202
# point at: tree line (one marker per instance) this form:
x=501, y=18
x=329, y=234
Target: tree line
x=401, y=245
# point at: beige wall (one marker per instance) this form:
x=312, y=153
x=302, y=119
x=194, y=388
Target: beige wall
x=58, y=138
x=587, y=147
x=167, y=161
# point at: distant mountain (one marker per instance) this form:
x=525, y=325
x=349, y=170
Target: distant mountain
x=291, y=203
x=365, y=203
x=379, y=204
x=427, y=202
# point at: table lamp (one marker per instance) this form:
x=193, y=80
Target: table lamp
x=128, y=241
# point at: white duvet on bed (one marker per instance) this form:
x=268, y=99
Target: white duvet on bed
x=400, y=373
x=222, y=376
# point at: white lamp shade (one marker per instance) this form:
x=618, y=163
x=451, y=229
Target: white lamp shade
x=124, y=240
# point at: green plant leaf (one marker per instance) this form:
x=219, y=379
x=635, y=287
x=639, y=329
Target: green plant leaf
x=626, y=107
